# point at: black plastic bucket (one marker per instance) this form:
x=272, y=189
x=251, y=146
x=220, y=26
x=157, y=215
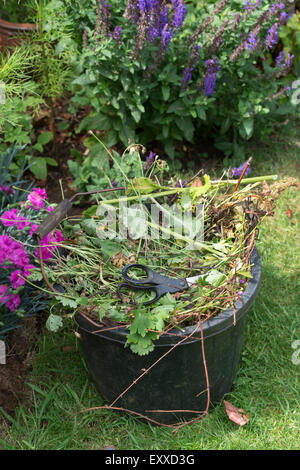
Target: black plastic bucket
x=177, y=380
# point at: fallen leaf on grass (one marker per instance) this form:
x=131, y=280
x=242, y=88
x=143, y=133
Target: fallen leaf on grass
x=237, y=415
x=289, y=213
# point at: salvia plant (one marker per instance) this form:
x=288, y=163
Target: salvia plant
x=163, y=71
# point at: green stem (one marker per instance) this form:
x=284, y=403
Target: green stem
x=197, y=245
x=255, y=179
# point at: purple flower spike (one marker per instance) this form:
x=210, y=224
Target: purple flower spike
x=237, y=171
x=142, y=5
x=251, y=42
x=212, y=67
x=150, y=158
x=117, y=34
x=114, y=183
x=272, y=36
x=166, y=35
x=284, y=59
x=181, y=184
x=179, y=13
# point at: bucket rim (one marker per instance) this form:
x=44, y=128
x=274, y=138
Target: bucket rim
x=215, y=325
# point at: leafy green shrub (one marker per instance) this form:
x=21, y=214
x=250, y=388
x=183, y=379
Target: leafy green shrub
x=10, y=11
x=155, y=70
x=34, y=74
x=99, y=171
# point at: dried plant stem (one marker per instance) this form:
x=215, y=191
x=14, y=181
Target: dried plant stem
x=241, y=177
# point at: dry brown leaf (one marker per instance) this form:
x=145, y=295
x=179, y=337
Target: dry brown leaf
x=237, y=415
x=289, y=213
x=197, y=183
x=121, y=260
x=68, y=348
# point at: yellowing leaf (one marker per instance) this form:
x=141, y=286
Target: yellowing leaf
x=198, y=191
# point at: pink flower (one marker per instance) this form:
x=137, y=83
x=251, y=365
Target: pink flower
x=3, y=298
x=41, y=192
x=19, y=257
x=13, y=303
x=27, y=269
x=33, y=229
x=48, y=244
x=59, y=236
x=49, y=209
x=6, y=243
x=11, y=218
x=36, y=201
x=2, y=256
x=16, y=280
x=3, y=289
x=6, y=189
x=7, y=247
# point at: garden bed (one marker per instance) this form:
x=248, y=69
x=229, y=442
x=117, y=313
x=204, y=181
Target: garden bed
x=20, y=343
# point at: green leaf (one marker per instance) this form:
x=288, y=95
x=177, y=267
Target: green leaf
x=175, y=107
x=126, y=82
x=38, y=147
x=44, y=138
x=63, y=125
x=198, y=191
x=136, y=115
x=139, y=345
x=201, y=113
x=165, y=92
x=141, y=323
x=245, y=274
x=51, y=161
x=215, y=278
x=143, y=185
x=95, y=122
x=66, y=302
x=248, y=126
x=39, y=168
x=225, y=125
x=109, y=248
x=54, y=322
x=186, y=125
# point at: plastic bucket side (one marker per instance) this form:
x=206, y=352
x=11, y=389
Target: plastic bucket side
x=178, y=381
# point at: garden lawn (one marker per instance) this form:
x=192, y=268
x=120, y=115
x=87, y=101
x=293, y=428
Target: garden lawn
x=267, y=386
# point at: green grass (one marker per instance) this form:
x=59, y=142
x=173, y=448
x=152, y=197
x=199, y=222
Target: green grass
x=267, y=385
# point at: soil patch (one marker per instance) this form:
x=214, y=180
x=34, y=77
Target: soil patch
x=13, y=375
